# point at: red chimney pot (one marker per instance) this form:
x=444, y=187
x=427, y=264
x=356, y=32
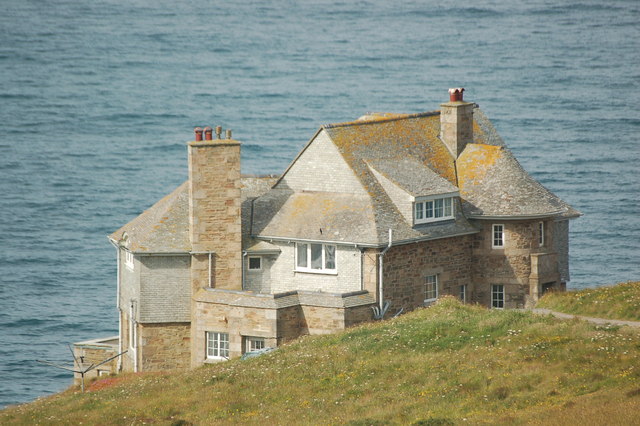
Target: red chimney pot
x=198, y=132
x=455, y=95
x=208, y=131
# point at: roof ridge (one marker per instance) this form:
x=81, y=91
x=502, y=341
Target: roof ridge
x=380, y=119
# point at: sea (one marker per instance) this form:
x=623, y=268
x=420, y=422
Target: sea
x=97, y=100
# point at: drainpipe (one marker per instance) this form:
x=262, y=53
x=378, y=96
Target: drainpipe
x=119, y=361
x=380, y=279
x=210, y=286
x=244, y=255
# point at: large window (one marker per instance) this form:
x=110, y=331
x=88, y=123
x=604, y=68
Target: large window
x=430, y=288
x=315, y=257
x=433, y=210
x=497, y=238
x=217, y=345
x=497, y=296
x=253, y=344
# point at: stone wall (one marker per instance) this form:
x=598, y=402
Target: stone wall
x=510, y=265
x=406, y=266
x=165, y=346
x=560, y=243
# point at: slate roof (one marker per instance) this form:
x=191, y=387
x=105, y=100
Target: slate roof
x=164, y=227
x=404, y=148
x=407, y=150
x=412, y=176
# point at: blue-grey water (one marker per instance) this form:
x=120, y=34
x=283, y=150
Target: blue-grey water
x=98, y=97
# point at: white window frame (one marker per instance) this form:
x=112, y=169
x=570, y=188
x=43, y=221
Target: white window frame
x=497, y=229
x=430, y=280
x=323, y=259
x=253, y=343
x=463, y=293
x=216, y=345
x=259, y=268
x=497, y=296
x=541, y=234
x=433, y=209
x=129, y=259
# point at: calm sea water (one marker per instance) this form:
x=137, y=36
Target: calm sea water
x=98, y=97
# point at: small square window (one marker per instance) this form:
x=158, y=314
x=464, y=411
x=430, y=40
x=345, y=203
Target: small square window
x=253, y=344
x=255, y=263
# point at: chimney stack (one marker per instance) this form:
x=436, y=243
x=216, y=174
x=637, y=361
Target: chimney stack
x=456, y=122
x=214, y=211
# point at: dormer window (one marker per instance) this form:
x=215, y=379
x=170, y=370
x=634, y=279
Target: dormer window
x=433, y=209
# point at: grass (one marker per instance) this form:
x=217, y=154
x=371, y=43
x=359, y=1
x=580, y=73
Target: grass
x=447, y=364
x=620, y=301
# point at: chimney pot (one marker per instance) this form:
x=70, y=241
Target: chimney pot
x=198, y=132
x=218, y=131
x=455, y=95
x=228, y=133
x=207, y=133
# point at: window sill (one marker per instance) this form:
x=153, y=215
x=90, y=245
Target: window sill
x=214, y=360
x=317, y=271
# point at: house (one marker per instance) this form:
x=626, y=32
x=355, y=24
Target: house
x=374, y=217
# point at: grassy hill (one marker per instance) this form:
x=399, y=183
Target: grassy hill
x=620, y=301
x=447, y=364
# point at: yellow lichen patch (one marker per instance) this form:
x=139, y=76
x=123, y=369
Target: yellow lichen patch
x=413, y=136
x=474, y=162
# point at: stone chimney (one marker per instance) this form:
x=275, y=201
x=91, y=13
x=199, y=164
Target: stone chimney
x=214, y=211
x=456, y=122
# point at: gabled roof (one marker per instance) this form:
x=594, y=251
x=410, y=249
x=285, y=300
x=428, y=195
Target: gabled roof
x=412, y=176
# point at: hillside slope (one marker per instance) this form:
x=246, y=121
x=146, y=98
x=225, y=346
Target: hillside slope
x=447, y=364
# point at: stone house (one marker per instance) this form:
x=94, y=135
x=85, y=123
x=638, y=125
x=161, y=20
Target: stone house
x=374, y=217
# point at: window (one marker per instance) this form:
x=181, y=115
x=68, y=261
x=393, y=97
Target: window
x=497, y=236
x=253, y=344
x=128, y=259
x=315, y=257
x=217, y=345
x=430, y=288
x=255, y=263
x=541, y=234
x=433, y=210
x=463, y=293
x=497, y=296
